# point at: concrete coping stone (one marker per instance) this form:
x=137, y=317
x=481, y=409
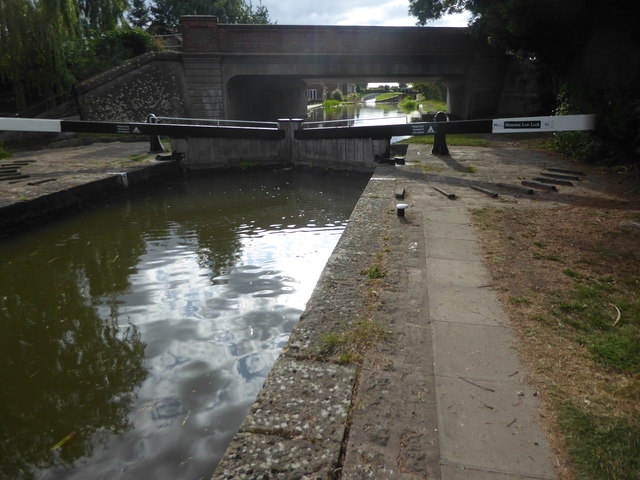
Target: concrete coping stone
x=303, y=399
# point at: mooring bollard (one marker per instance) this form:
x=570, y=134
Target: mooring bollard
x=440, y=138
x=400, y=208
x=155, y=145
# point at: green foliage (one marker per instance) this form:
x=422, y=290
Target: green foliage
x=330, y=104
x=139, y=14
x=588, y=51
x=351, y=344
x=33, y=37
x=336, y=95
x=468, y=140
x=375, y=272
x=4, y=153
x=408, y=105
x=386, y=96
x=167, y=13
x=101, y=15
x=426, y=10
x=580, y=145
x=591, y=308
x=602, y=446
x=47, y=45
x=41, y=39
x=111, y=49
x=432, y=90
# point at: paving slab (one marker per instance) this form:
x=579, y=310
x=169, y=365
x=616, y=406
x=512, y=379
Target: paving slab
x=466, y=348
x=492, y=427
x=453, y=303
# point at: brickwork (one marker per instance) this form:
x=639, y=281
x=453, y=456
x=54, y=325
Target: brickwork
x=308, y=52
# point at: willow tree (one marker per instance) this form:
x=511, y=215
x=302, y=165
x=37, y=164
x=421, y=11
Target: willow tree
x=39, y=37
x=34, y=36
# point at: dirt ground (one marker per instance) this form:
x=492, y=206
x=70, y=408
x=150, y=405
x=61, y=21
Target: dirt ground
x=538, y=252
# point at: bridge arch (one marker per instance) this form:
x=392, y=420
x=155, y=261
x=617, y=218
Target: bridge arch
x=265, y=97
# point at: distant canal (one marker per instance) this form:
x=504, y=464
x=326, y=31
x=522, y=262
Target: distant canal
x=364, y=113
x=136, y=336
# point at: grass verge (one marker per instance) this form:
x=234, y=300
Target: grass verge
x=569, y=278
x=4, y=153
x=460, y=140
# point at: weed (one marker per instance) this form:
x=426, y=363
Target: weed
x=570, y=272
x=424, y=168
x=540, y=244
x=471, y=169
x=136, y=157
x=483, y=217
x=375, y=272
x=520, y=300
x=4, y=153
x=351, y=344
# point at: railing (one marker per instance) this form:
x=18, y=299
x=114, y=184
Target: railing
x=171, y=42
x=216, y=122
x=350, y=122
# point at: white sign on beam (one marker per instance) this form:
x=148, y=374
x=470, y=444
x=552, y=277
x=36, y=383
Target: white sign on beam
x=561, y=123
x=29, y=125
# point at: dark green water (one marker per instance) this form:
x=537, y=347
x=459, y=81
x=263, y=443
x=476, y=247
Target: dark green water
x=136, y=336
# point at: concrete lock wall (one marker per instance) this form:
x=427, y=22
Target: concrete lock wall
x=357, y=154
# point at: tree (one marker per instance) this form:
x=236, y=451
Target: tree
x=34, y=39
x=101, y=15
x=167, y=13
x=139, y=14
x=586, y=49
x=432, y=90
x=39, y=39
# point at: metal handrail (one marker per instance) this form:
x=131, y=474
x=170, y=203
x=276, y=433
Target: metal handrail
x=216, y=122
x=350, y=121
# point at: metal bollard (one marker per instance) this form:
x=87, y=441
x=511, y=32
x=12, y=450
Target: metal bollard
x=155, y=145
x=440, y=138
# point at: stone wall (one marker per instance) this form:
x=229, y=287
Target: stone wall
x=152, y=83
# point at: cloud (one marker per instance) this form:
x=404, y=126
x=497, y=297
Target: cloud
x=350, y=12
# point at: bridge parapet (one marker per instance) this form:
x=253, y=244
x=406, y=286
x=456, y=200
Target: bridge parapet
x=203, y=34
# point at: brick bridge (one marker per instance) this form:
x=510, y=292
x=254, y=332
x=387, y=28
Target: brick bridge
x=260, y=72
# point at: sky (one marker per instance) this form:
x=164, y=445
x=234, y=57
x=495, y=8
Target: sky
x=349, y=12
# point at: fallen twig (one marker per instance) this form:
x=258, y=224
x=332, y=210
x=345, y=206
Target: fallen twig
x=476, y=385
x=619, y=314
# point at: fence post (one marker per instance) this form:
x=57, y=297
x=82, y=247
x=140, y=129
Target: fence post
x=155, y=145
